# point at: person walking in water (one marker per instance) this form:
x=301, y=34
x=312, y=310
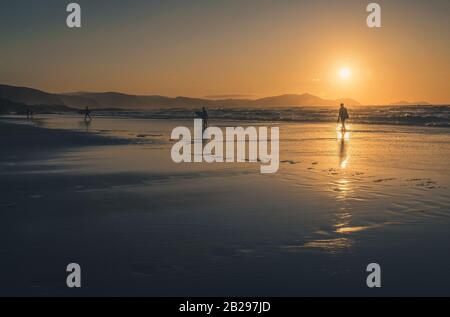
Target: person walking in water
x=204, y=116
x=30, y=114
x=343, y=115
x=87, y=114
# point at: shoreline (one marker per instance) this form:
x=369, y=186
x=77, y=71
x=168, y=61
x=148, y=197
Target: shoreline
x=414, y=116
x=25, y=142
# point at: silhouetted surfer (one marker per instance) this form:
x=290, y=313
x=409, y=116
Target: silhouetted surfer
x=87, y=114
x=204, y=116
x=343, y=115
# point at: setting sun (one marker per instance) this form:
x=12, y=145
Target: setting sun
x=344, y=73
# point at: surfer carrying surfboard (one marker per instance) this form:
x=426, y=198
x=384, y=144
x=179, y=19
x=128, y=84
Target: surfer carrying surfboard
x=343, y=115
x=204, y=116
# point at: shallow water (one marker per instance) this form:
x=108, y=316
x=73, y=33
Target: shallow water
x=433, y=116
x=338, y=202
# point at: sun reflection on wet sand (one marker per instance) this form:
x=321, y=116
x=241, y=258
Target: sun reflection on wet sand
x=351, y=229
x=328, y=245
x=342, y=189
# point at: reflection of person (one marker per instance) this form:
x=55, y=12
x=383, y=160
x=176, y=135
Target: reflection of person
x=87, y=114
x=342, y=153
x=343, y=115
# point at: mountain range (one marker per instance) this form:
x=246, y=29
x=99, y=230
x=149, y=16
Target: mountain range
x=410, y=103
x=115, y=100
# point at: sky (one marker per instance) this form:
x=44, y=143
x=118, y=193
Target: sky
x=245, y=48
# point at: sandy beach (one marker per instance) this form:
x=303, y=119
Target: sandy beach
x=108, y=196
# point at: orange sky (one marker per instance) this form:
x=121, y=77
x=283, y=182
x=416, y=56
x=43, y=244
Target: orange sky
x=256, y=48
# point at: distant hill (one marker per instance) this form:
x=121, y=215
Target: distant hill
x=409, y=103
x=8, y=106
x=300, y=100
x=28, y=96
x=95, y=100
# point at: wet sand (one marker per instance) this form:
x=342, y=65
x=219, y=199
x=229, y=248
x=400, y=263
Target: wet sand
x=108, y=197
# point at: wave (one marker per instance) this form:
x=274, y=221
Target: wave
x=430, y=116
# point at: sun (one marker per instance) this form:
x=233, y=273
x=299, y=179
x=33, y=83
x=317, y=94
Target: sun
x=345, y=73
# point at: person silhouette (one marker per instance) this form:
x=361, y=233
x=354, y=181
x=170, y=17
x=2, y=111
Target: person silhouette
x=87, y=114
x=343, y=115
x=204, y=116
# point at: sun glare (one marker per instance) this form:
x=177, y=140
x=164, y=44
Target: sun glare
x=344, y=73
